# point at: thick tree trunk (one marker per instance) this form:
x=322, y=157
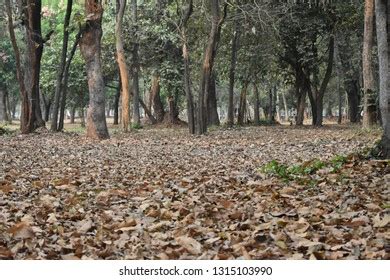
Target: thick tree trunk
x=301, y=102
x=135, y=69
x=212, y=109
x=369, y=115
x=256, y=117
x=232, y=72
x=90, y=46
x=123, y=71
x=382, y=31
x=208, y=63
x=60, y=73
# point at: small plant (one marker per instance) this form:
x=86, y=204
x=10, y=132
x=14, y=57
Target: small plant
x=136, y=126
x=5, y=131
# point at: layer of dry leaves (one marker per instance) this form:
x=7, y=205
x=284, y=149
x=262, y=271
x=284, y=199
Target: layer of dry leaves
x=162, y=194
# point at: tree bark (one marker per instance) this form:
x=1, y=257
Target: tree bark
x=369, y=115
x=242, y=106
x=116, y=105
x=4, y=115
x=72, y=114
x=135, y=68
x=212, y=109
x=157, y=104
x=256, y=117
x=187, y=70
x=208, y=63
x=232, y=72
x=90, y=46
x=25, y=106
x=60, y=73
x=82, y=117
x=123, y=71
x=382, y=31
x=64, y=88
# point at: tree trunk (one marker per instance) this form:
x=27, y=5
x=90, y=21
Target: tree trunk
x=301, y=107
x=82, y=117
x=242, y=106
x=116, y=105
x=60, y=73
x=72, y=114
x=350, y=77
x=187, y=71
x=212, y=109
x=25, y=108
x=90, y=46
x=285, y=106
x=155, y=97
x=256, y=117
x=232, y=71
x=4, y=116
x=123, y=71
x=369, y=115
x=135, y=68
x=208, y=63
x=271, y=116
x=382, y=31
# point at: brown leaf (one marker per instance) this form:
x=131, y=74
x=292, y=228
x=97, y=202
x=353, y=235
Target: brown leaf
x=190, y=244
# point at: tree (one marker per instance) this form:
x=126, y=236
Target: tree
x=369, y=111
x=135, y=67
x=382, y=14
x=90, y=46
x=217, y=20
x=124, y=75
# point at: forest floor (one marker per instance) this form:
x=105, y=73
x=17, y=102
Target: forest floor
x=250, y=193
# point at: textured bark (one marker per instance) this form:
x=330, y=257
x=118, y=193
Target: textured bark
x=135, y=68
x=72, y=114
x=208, y=63
x=90, y=46
x=271, y=116
x=232, y=72
x=60, y=73
x=123, y=71
x=285, y=106
x=369, y=116
x=212, y=109
x=82, y=117
x=256, y=117
x=382, y=31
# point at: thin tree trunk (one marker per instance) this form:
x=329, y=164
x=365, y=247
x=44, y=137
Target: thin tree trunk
x=155, y=97
x=116, y=105
x=285, y=106
x=60, y=73
x=3, y=105
x=64, y=88
x=382, y=31
x=72, y=114
x=25, y=108
x=135, y=69
x=82, y=117
x=90, y=46
x=123, y=71
x=232, y=71
x=242, y=106
x=256, y=117
x=369, y=115
x=187, y=70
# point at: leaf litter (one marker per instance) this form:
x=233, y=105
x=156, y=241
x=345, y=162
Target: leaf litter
x=162, y=194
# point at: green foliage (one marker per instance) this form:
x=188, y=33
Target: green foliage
x=302, y=172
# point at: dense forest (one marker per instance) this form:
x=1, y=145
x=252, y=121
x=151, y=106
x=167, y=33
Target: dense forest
x=194, y=94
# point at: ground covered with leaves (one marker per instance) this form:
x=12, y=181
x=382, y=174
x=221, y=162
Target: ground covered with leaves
x=251, y=193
